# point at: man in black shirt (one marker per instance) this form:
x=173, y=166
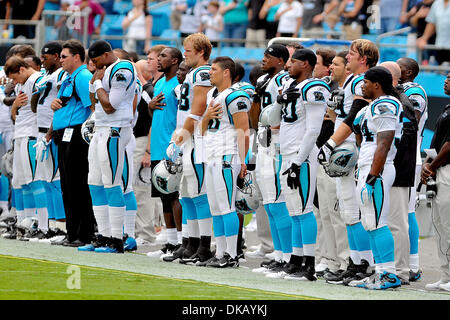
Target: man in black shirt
x=256, y=30
x=26, y=10
x=439, y=171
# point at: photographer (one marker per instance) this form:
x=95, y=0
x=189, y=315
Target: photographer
x=439, y=170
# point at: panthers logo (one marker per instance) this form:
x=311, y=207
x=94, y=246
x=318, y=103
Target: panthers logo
x=318, y=96
x=204, y=76
x=342, y=161
x=120, y=77
x=162, y=183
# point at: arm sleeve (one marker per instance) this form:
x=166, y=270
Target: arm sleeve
x=120, y=84
x=358, y=104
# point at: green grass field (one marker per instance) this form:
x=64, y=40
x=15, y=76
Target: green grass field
x=31, y=279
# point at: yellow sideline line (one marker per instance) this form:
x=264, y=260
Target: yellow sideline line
x=162, y=277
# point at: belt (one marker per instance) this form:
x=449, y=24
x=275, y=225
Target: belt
x=43, y=130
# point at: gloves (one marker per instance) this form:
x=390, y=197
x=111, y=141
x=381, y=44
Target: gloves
x=293, y=178
x=336, y=100
x=42, y=149
x=368, y=190
x=173, y=151
x=261, y=86
x=290, y=95
x=264, y=136
x=325, y=152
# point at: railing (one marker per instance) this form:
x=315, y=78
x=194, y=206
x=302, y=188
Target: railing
x=76, y=14
x=37, y=42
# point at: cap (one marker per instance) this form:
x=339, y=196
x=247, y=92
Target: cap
x=98, y=48
x=279, y=51
x=305, y=55
x=52, y=47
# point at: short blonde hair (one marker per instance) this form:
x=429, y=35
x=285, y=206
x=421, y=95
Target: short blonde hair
x=200, y=42
x=368, y=49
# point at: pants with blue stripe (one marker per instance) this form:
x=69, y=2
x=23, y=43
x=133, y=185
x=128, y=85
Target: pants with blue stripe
x=24, y=162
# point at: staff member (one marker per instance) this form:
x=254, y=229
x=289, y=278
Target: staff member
x=72, y=107
x=439, y=169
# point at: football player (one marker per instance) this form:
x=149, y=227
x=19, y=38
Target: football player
x=268, y=159
x=113, y=89
x=226, y=126
x=363, y=54
x=376, y=126
x=304, y=101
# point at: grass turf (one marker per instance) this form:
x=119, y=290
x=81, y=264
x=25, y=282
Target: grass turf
x=30, y=279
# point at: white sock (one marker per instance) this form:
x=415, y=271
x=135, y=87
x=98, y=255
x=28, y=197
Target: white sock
x=61, y=225
x=193, y=228
x=278, y=255
x=102, y=217
x=221, y=245
x=414, y=262
x=180, y=237
x=232, y=246
x=355, y=257
x=184, y=230
x=20, y=215
x=129, y=223
x=52, y=224
x=286, y=256
x=29, y=212
x=205, y=227
x=172, y=236
x=42, y=215
x=309, y=249
x=297, y=251
x=367, y=255
x=116, y=218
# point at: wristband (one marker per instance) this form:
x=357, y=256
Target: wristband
x=98, y=85
x=193, y=116
x=371, y=179
x=331, y=143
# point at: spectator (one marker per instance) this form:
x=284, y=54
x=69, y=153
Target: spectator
x=176, y=10
x=256, y=30
x=325, y=57
x=152, y=61
x=314, y=13
x=138, y=23
x=5, y=13
x=438, y=22
x=390, y=13
x=72, y=108
x=192, y=12
x=267, y=12
x=93, y=8
x=64, y=32
x=235, y=17
x=26, y=10
x=289, y=15
x=349, y=11
x=417, y=16
x=212, y=23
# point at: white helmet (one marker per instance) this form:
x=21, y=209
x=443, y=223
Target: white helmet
x=87, y=128
x=248, y=196
x=166, y=176
x=270, y=116
x=6, y=166
x=342, y=160
x=28, y=224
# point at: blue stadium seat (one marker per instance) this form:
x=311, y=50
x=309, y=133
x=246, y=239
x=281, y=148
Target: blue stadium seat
x=122, y=7
x=167, y=33
x=393, y=54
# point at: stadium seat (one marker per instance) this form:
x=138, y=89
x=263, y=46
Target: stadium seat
x=392, y=54
x=168, y=33
x=122, y=7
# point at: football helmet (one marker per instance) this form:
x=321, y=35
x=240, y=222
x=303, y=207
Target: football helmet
x=166, y=176
x=248, y=196
x=342, y=160
x=6, y=166
x=270, y=116
x=87, y=128
x=28, y=224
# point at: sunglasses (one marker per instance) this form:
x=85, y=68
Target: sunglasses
x=63, y=56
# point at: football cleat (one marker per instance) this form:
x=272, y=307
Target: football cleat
x=225, y=262
x=98, y=242
x=38, y=235
x=167, y=248
x=114, y=245
x=384, y=281
x=415, y=276
x=307, y=274
x=129, y=243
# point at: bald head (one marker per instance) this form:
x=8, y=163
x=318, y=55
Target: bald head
x=410, y=69
x=394, y=69
x=142, y=69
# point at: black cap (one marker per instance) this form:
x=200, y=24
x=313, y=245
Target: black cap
x=52, y=47
x=305, y=55
x=98, y=48
x=380, y=75
x=279, y=51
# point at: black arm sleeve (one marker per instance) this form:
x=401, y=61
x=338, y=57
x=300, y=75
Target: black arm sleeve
x=357, y=105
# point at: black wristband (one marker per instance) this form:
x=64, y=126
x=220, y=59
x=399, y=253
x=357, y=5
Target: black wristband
x=371, y=179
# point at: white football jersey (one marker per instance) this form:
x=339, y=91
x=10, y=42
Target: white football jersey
x=245, y=86
x=296, y=116
x=196, y=77
x=382, y=114
x=26, y=124
x=119, y=82
x=48, y=88
x=5, y=114
x=273, y=88
x=221, y=136
x=352, y=87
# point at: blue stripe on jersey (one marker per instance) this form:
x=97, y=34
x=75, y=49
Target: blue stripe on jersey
x=125, y=173
x=356, y=81
x=199, y=69
x=199, y=171
x=304, y=183
x=416, y=90
x=122, y=65
x=32, y=156
x=279, y=78
x=395, y=103
x=37, y=81
x=311, y=84
x=277, y=163
x=378, y=199
x=113, y=154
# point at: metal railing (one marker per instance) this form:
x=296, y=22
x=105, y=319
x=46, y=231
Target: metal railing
x=38, y=40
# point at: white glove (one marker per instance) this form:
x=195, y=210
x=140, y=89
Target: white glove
x=42, y=149
x=325, y=152
x=173, y=151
